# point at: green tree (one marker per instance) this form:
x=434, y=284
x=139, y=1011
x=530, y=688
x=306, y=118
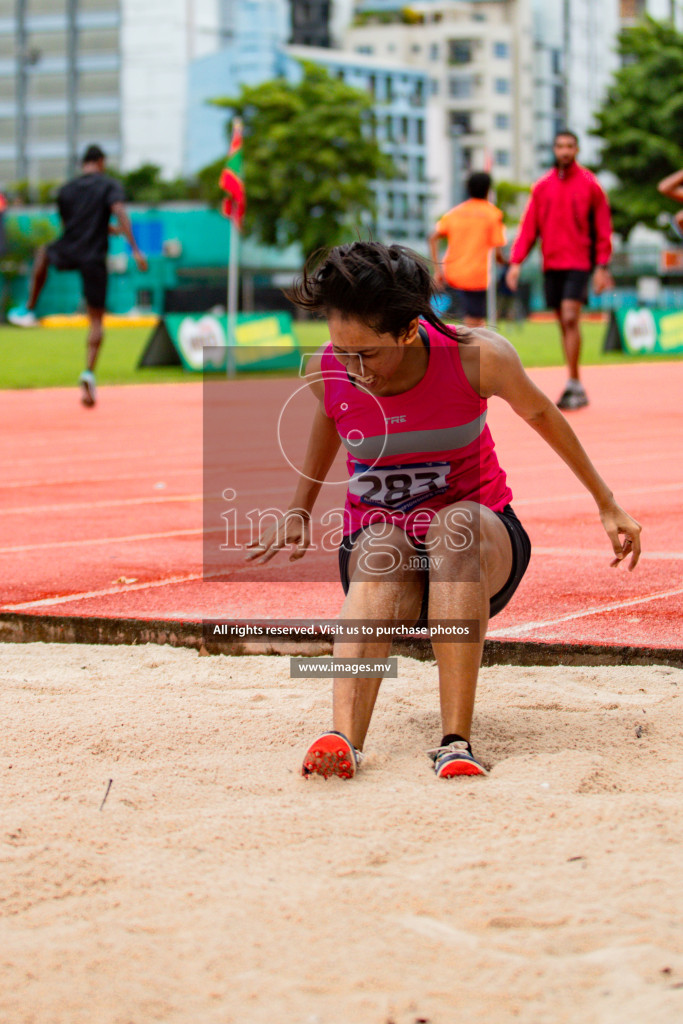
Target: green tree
x=309, y=159
x=31, y=193
x=508, y=199
x=144, y=184
x=641, y=122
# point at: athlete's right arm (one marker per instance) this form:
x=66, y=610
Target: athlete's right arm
x=293, y=528
x=119, y=211
x=523, y=243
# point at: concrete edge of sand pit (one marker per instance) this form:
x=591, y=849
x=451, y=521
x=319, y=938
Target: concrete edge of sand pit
x=73, y=629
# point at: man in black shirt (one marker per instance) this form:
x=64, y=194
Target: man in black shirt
x=86, y=205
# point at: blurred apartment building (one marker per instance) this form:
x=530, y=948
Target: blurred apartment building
x=400, y=94
x=507, y=74
x=311, y=22
x=479, y=58
x=457, y=84
x=259, y=50
x=574, y=60
x=575, y=57
x=111, y=71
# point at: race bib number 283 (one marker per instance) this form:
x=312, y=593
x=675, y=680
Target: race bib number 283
x=399, y=488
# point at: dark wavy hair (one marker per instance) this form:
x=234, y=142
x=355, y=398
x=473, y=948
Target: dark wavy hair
x=385, y=287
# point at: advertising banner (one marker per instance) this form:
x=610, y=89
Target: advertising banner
x=198, y=341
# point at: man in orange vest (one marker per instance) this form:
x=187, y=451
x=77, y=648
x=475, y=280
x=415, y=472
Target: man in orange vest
x=472, y=230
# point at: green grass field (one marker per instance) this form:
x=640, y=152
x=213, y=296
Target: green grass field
x=54, y=357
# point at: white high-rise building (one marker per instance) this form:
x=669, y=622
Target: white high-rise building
x=590, y=38
x=159, y=40
x=550, y=92
x=574, y=60
x=478, y=54
x=661, y=10
x=107, y=71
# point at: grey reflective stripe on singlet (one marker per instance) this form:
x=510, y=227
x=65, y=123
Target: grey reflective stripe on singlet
x=410, y=442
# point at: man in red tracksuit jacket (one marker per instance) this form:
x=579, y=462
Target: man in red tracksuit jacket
x=569, y=211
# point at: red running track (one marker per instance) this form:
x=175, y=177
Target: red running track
x=101, y=510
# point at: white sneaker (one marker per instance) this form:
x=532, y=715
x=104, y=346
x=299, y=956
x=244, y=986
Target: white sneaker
x=88, y=388
x=20, y=316
x=573, y=396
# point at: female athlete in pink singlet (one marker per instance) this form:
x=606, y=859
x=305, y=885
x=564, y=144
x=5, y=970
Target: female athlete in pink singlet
x=430, y=532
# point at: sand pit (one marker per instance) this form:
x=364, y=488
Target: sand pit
x=216, y=885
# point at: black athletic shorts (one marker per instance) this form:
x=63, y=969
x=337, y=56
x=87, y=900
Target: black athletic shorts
x=93, y=274
x=521, y=554
x=565, y=284
x=466, y=302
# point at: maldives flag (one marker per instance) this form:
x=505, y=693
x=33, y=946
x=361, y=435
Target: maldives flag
x=235, y=202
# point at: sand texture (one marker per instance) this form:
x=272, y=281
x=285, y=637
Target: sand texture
x=216, y=886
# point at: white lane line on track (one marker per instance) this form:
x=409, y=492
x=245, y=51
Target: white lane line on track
x=655, y=556
x=45, y=602
x=97, y=456
x=532, y=627
x=94, y=541
x=162, y=499
x=655, y=489
x=217, y=576
x=534, y=468
x=151, y=500
x=155, y=473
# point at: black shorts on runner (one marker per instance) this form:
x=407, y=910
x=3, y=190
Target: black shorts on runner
x=468, y=302
x=521, y=554
x=93, y=274
x=565, y=284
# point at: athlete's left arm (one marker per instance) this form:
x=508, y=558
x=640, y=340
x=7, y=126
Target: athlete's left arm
x=602, y=278
x=502, y=374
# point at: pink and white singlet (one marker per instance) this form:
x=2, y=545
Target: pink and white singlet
x=411, y=454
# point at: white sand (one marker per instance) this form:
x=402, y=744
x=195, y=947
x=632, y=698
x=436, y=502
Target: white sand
x=217, y=885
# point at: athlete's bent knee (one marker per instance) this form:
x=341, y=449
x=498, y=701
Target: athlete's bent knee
x=383, y=553
x=456, y=527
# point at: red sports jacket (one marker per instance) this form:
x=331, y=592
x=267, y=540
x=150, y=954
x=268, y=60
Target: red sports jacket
x=569, y=210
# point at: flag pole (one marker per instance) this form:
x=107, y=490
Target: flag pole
x=492, y=292
x=233, y=207
x=492, y=281
x=233, y=280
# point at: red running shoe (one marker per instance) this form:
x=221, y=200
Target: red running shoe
x=331, y=754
